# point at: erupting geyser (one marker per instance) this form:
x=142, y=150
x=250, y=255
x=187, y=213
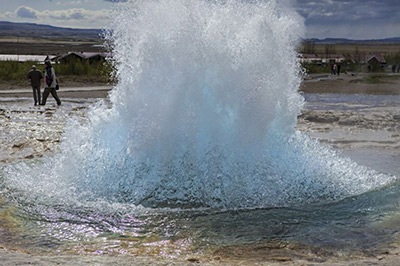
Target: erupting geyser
x=203, y=115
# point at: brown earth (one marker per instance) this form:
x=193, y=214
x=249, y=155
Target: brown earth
x=353, y=83
x=98, y=93
x=347, y=83
x=65, y=82
x=45, y=47
x=365, y=48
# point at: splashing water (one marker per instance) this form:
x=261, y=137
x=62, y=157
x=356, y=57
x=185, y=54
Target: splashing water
x=203, y=115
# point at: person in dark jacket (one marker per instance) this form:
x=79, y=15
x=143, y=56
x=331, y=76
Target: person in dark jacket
x=339, y=66
x=50, y=83
x=35, y=76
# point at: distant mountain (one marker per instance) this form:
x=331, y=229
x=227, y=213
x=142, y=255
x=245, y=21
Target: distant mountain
x=343, y=40
x=32, y=30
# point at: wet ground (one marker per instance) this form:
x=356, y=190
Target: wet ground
x=353, y=121
x=363, y=228
x=29, y=131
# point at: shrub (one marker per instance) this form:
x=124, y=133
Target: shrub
x=100, y=71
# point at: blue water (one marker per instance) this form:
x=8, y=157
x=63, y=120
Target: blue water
x=364, y=223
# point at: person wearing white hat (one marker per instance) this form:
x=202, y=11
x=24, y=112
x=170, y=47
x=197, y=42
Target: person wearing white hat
x=35, y=76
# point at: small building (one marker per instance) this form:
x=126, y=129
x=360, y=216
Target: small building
x=332, y=58
x=376, y=62
x=23, y=58
x=376, y=58
x=321, y=58
x=309, y=59
x=81, y=56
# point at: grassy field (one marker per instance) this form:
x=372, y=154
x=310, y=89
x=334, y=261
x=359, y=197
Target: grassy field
x=390, y=51
x=37, y=46
x=366, y=48
x=13, y=74
x=30, y=46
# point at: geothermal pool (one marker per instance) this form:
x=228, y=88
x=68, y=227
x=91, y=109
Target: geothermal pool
x=364, y=224
x=197, y=149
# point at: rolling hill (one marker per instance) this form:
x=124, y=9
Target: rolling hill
x=40, y=31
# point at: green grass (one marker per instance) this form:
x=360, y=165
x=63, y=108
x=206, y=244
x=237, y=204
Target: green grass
x=326, y=68
x=10, y=70
x=313, y=69
x=97, y=71
x=346, y=67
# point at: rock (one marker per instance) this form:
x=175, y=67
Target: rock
x=193, y=260
x=321, y=119
x=18, y=145
x=281, y=258
x=396, y=117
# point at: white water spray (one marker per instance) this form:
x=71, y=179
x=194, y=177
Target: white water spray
x=204, y=114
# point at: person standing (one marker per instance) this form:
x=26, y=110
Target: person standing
x=35, y=76
x=339, y=66
x=50, y=82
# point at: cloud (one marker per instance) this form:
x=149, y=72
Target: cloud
x=116, y=1
x=347, y=11
x=6, y=15
x=66, y=14
x=347, y=18
x=26, y=12
x=70, y=14
x=71, y=3
x=75, y=17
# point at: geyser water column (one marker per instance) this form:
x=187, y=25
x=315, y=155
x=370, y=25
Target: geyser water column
x=203, y=115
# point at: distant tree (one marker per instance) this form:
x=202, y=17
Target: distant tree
x=393, y=58
x=308, y=47
x=357, y=56
x=329, y=49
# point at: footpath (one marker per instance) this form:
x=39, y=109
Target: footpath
x=74, y=92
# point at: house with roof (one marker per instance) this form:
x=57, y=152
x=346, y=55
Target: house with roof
x=309, y=59
x=23, y=58
x=332, y=58
x=80, y=56
x=376, y=58
x=321, y=58
x=375, y=61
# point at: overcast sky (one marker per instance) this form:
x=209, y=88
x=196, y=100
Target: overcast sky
x=354, y=19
